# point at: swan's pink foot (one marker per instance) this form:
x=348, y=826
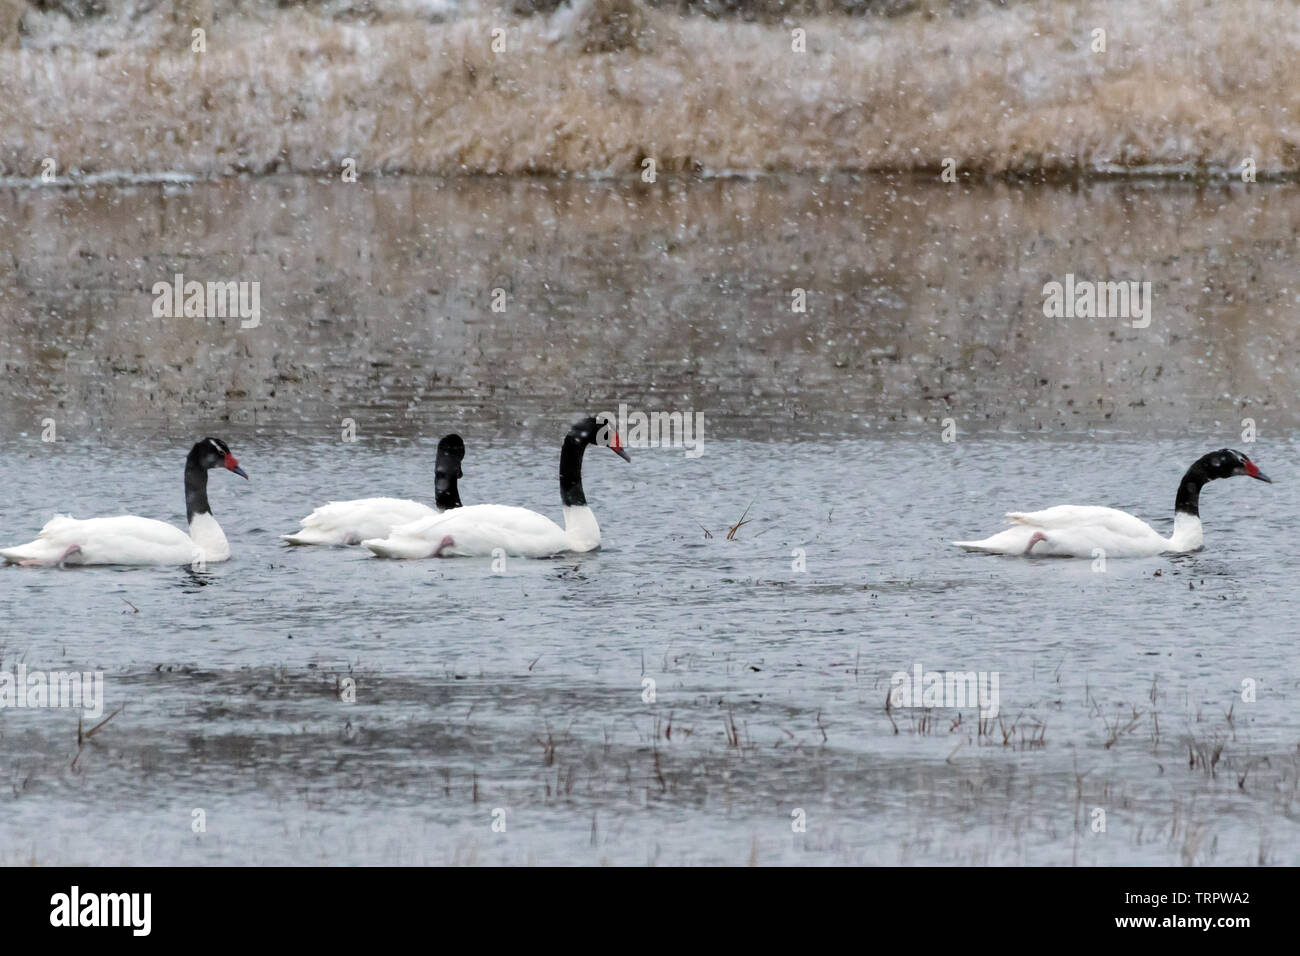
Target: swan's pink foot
x=1037, y=537
x=446, y=542
x=71, y=550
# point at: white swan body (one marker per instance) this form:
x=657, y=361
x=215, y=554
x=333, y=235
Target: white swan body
x=126, y=539
x=479, y=530
x=482, y=530
x=1074, y=531
x=1084, y=531
x=351, y=522
x=131, y=540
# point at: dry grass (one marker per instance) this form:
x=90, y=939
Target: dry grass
x=11, y=12
x=1188, y=85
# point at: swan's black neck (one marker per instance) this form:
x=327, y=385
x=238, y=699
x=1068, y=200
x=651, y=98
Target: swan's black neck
x=446, y=471
x=1188, y=501
x=196, y=487
x=571, y=471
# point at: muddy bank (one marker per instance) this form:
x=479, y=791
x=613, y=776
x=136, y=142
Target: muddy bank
x=377, y=304
x=1183, y=87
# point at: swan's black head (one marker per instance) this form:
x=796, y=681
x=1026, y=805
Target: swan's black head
x=205, y=454
x=591, y=431
x=451, y=451
x=211, y=452
x=1227, y=463
x=1224, y=463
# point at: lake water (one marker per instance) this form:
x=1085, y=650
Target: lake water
x=519, y=697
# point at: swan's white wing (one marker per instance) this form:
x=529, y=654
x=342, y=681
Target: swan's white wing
x=1063, y=517
x=475, y=531
x=350, y=522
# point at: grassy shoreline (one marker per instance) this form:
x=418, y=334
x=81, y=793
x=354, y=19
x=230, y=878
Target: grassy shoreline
x=1186, y=88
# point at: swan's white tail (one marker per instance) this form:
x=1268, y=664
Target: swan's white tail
x=1012, y=541
x=39, y=551
x=398, y=546
x=46, y=549
x=311, y=536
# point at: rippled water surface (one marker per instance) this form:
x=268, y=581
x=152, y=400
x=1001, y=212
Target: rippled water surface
x=521, y=696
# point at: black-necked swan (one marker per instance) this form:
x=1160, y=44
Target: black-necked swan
x=1074, y=531
x=129, y=539
x=479, y=530
x=351, y=522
